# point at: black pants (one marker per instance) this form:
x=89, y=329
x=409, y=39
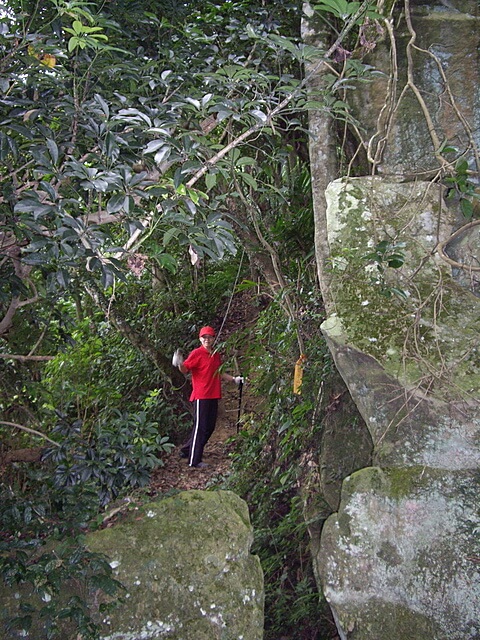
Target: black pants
x=205, y=418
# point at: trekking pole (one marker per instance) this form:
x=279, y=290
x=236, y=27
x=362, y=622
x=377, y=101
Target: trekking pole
x=240, y=389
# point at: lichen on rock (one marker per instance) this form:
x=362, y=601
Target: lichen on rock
x=399, y=559
x=404, y=337
x=415, y=319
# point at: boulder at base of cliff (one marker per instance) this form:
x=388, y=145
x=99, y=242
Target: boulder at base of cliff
x=401, y=558
x=187, y=567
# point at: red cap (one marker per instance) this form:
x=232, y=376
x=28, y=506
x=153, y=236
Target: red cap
x=206, y=331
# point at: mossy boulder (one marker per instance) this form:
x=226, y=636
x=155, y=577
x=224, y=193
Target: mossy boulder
x=400, y=559
x=395, y=296
x=186, y=566
x=398, y=266
x=404, y=334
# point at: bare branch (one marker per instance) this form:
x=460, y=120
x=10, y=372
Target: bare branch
x=28, y=430
x=10, y=356
x=15, y=304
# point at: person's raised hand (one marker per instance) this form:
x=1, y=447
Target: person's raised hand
x=178, y=358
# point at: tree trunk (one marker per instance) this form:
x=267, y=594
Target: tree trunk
x=163, y=363
x=323, y=153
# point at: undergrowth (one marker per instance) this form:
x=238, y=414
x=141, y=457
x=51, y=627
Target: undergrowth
x=268, y=471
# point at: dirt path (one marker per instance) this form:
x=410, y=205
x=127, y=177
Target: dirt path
x=177, y=475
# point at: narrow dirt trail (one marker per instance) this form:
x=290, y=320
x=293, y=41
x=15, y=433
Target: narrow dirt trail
x=176, y=474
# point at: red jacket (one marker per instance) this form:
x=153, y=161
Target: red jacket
x=204, y=368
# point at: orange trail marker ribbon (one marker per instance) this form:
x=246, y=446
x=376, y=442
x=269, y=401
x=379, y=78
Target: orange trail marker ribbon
x=298, y=374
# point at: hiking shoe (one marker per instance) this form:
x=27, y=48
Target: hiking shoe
x=182, y=454
x=200, y=465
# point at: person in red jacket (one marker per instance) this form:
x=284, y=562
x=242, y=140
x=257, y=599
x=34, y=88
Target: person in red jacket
x=204, y=364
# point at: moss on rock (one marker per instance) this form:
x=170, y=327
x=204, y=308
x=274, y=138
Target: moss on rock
x=186, y=565
x=399, y=555
x=415, y=320
x=188, y=570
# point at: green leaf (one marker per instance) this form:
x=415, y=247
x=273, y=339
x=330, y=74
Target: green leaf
x=163, y=154
x=250, y=180
x=178, y=181
x=31, y=206
x=6, y=146
x=22, y=131
x=190, y=206
x=103, y=104
x=53, y=149
x=196, y=103
x=36, y=259
x=22, y=623
x=133, y=114
x=285, y=43
x=105, y=583
x=38, y=245
x=210, y=180
x=259, y=115
x=169, y=235
x=244, y=161
x=74, y=223
x=448, y=149
x=467, y=208
x=154, y=145
x=46, y=186
x=73, y=43
x=399, y=293
x=245, y=285
x=63, y=278
x=136, y=179
x=78, y=27
x=168, y=262
x=111, y=147
x=395, y=263
x=116, y=203
x=314, y=104
x=461, y=166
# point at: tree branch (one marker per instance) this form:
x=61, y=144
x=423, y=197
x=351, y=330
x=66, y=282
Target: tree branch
x=28, y=430
x=10, y=356
x=274, y=112
x=139, y=341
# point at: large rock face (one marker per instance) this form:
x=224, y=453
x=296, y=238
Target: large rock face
x=434, y=64
x=400, y=558
x=402, y=551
